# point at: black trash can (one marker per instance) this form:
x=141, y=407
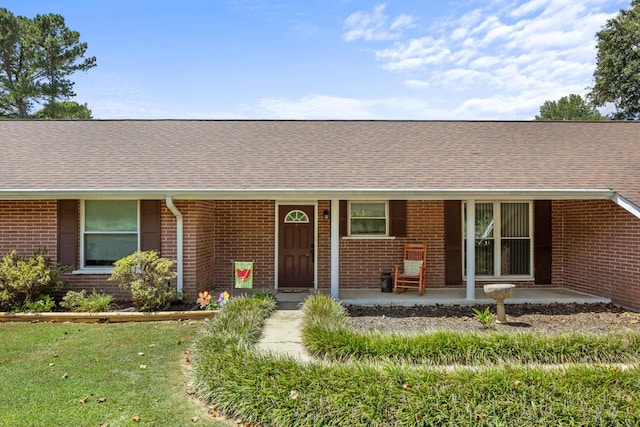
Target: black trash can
x=386, y=282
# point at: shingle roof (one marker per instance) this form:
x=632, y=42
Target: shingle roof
x=207, y=157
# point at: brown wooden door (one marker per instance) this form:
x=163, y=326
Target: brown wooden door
x=296, y=246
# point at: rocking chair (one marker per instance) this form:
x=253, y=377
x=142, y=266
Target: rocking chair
x=412, y=273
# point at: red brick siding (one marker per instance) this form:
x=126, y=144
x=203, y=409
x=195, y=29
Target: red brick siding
x=244, y=231
x=205, y=246
x=98, y=283
x=190, y=217
x=28, y=225
x=362, y=260
x=596, y=245
x=556, y=242
x=323, y=246
x=601, y=250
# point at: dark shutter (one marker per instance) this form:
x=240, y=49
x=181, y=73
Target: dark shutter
x=398, y=218
x=453, y=242
x=344, y=206
x=68, y=231
x=150, y=225
x=542, y=242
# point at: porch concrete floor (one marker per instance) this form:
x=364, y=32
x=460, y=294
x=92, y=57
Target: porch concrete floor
x=457, y=296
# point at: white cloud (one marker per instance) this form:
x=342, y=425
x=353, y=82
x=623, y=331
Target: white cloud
x=402, y=22
x=507, y=57
x=528, y=7
x=316, y=107
x=374, y=27
x=414, y=54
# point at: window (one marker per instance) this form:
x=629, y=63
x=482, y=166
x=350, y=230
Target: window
x=368, y=218
x=503, y=239
x=296, y=216
x=109, y=231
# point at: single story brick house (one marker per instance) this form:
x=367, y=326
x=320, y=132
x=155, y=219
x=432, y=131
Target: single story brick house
x=328, y=205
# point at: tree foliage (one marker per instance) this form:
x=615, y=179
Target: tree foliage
x=37, y=56
x=572, y=107
x=64, y=110
x=617, y=73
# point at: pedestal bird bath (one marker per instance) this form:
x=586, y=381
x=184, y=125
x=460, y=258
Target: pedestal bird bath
x=500, y=292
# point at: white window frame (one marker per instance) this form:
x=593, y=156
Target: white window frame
x=497, y=238
x=101, y=269
x=364, y=236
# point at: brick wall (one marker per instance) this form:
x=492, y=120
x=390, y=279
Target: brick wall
x=556, y=242
x=362, y=260
x=596, y=245
x=28, y=225
x=244, y=231
x=205, y=246
x=600, y=246
x=323, y=246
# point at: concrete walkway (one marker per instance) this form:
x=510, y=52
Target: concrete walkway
x=281, y=335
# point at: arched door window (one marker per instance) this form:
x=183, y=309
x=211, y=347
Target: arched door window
x=296, y=216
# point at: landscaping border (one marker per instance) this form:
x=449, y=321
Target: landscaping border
x=107, y=317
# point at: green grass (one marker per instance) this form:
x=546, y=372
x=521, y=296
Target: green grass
x=48, y=369
x=275, y=391
x=327, y=334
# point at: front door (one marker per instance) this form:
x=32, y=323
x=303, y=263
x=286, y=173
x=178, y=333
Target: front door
x=296, y=246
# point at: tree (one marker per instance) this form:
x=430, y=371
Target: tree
x=64, y=110
x=59, y=51
x=36, y=57
x=617, y=73
x=18, y=77
x=572, y=107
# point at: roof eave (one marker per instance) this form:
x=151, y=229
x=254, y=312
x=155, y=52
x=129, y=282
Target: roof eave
x=318, y=194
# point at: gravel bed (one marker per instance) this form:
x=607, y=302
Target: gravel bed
x=539, y=318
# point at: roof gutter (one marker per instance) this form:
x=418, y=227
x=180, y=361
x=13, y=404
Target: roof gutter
x=627, y=205
x=319, y=193
x=179, y=241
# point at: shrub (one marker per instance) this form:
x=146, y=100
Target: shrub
x=264, y=389
x=43, y=304
x=83, y=303
x=24, y=279
x=326, y=333
x=148, y=277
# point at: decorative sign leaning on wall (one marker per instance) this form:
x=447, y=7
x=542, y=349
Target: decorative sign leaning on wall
x=243, y=272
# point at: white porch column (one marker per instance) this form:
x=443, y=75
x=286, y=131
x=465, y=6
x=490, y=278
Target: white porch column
x=471, y=249
x=335, y=248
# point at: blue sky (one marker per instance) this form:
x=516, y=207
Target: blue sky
x=331, y=59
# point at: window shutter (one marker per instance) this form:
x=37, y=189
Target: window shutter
x=542, y=245
x=398, y=218
x=150, y=211
x=343, y=207
x=68, y=232
x=453, y=242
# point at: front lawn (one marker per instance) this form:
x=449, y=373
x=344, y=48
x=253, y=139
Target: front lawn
x=54, y=374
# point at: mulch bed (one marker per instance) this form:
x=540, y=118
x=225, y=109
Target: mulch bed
x=540, y=318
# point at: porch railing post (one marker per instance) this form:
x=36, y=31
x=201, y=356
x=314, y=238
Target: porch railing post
x=471, y=249
x=335, y=248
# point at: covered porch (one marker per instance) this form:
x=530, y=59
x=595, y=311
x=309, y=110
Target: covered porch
x=448, y=296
